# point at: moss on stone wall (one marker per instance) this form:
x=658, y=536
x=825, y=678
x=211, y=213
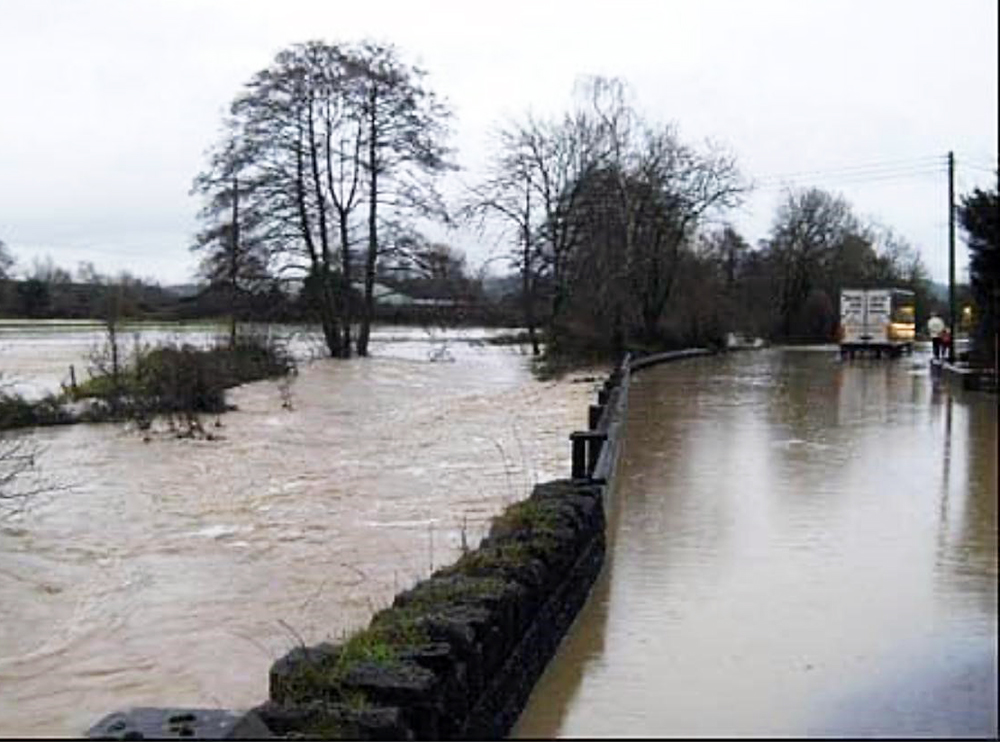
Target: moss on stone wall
x=457, y=654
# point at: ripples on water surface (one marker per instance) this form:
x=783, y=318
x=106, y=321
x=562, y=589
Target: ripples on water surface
x=174, y=572
x=799, y=547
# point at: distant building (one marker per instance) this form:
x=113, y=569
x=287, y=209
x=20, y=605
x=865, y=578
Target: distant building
x=385, y=295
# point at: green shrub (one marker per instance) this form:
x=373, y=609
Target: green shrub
x=186, y=379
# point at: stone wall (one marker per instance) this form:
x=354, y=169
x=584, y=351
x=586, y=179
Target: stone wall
x=457, y=655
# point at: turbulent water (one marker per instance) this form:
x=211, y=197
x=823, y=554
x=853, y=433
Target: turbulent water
x=173, y=572
x=799, y=546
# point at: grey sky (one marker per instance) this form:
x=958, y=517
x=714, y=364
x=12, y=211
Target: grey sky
x=108, y=107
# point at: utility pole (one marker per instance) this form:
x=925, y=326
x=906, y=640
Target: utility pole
x=951, y=257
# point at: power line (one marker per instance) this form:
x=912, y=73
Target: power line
x=965, y=158
x=980, y=168
x=835, y=179
x=862, y=169
x=853, y=179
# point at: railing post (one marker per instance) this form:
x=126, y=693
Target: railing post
x=586, y=450
x=579, y=456
x=594, y=413
x=594, y=446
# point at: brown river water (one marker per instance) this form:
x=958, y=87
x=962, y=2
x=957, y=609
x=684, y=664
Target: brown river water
x=798, y=547
x=174, y=572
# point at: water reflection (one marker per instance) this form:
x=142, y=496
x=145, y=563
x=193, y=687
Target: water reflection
x=804, y=547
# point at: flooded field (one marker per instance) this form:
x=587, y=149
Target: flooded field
x=798, y=547
x=175, y=571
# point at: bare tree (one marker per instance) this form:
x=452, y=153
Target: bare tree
x=269, y=166
x=676, y=188
x=317, y=135
x=506, y=195
x=810, y=227
x=535, y=182
x=602, y=205
x=233, y=253
x=46, y=271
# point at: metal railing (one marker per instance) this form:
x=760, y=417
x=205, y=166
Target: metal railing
x=595, y=451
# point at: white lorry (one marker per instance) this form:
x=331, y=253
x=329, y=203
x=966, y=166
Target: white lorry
x=876, y=321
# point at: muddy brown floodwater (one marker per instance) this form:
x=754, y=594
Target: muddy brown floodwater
x=799, y=546
x=174, y=572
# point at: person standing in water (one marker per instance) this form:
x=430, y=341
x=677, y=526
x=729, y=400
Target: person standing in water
x=935, y=326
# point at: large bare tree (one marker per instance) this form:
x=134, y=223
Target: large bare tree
x=314, y=138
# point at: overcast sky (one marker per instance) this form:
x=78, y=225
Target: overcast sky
x=108, y=107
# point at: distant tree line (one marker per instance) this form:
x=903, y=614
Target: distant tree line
x=437, y=279
x=328, y=156
x=47, y=290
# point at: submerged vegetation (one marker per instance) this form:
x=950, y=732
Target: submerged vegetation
x=169, y=380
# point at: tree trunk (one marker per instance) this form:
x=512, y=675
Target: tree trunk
x=346, y=290
x=368, y=307
x=234, y=264
x=328, y=297
x=527, y=289
x=368, y=310
x=529, y=314
x=343, y=206
x=328, y=319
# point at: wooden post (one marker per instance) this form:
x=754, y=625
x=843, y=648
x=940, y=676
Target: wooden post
x=72, y=378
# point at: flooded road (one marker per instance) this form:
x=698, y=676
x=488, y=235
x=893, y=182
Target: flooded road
x=798, y=547
x=174, y=572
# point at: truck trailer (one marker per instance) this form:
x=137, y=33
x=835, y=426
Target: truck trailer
x=876, y=321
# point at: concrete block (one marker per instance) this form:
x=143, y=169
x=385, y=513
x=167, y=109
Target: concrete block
x=179, y=723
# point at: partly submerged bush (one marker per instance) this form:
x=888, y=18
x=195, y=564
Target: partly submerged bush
x=167, y=379
x=189, y=379
x=18, y=412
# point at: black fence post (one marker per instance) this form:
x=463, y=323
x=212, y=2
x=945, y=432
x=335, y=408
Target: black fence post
x=594, y=413
x=594, y=446
x=587, y=447
x=579, y=455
